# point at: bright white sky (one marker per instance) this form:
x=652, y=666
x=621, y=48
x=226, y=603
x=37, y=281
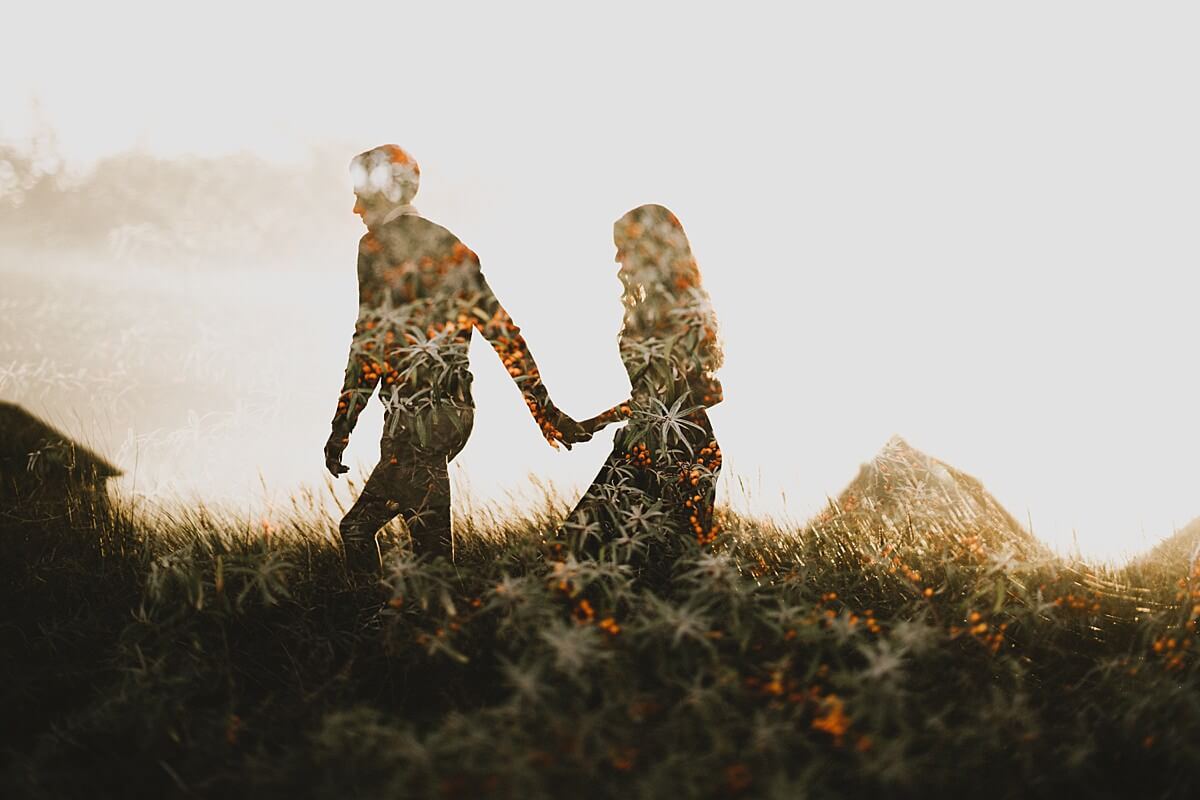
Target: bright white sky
x=972, y=226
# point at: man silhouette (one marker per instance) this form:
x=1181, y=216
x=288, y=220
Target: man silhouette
x=421, y=293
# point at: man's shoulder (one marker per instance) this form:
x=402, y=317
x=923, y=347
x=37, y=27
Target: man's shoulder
x=416, y=233
x=414, y=224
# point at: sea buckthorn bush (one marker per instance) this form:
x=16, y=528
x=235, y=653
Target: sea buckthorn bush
x=192, y=652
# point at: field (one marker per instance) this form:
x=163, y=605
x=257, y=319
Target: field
x=189, y=653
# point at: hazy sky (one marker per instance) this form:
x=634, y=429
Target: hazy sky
x=974, y=227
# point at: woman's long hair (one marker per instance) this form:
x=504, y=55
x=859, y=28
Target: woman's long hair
x=663, y=295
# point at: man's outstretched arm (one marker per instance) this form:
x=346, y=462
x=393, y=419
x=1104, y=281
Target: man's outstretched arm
x=364, y=366
x=505, y=337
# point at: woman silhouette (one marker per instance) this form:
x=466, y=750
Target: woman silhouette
x=657, y=487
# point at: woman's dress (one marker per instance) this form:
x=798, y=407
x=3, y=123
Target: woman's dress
x=657, y=487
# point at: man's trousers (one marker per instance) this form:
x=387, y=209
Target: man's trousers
x=411, y=480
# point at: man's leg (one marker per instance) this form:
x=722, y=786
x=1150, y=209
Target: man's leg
x=425, y=504
x=362, y=522
x=413, y=475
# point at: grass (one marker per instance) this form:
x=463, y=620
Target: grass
x=191, y=653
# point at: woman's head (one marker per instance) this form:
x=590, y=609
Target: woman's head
x=663, y=293
x=651, y=247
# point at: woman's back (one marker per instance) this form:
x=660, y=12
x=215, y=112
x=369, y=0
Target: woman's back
x=669, y=342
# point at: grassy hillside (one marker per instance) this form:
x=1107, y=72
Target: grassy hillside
x=190, y=653
x=1183, y=545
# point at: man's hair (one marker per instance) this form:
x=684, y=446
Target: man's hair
x=386, y=173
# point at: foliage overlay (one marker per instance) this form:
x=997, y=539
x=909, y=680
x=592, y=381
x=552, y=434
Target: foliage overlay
x=191, y=653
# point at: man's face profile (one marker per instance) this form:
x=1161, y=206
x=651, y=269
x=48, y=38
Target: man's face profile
x=370, y=209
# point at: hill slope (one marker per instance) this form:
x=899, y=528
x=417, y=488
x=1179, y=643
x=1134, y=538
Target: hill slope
x=907, y=497
x=1180, y=547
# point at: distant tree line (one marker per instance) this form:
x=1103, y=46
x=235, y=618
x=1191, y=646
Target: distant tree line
x=137, y=206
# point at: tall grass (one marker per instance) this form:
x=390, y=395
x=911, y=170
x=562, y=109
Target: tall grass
x=191, y=652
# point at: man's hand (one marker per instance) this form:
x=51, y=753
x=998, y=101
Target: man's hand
x=333, y=454
x=570, y=432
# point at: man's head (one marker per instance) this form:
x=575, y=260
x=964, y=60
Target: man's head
x=384, y=177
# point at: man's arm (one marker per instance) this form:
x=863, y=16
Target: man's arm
x=364, y=366
x=505, y=337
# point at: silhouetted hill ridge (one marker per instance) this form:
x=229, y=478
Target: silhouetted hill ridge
x=1183, y=545
x=908, y=496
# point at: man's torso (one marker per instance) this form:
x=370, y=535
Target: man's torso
x=419, y=290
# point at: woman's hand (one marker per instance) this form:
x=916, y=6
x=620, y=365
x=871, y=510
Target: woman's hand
x=602, y=420
x=596, y=423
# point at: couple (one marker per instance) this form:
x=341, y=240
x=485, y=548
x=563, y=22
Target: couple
x=421, y=293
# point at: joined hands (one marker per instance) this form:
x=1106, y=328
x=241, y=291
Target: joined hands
x=567, y=431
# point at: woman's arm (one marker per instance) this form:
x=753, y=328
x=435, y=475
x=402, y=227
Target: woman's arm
x=617, y=412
